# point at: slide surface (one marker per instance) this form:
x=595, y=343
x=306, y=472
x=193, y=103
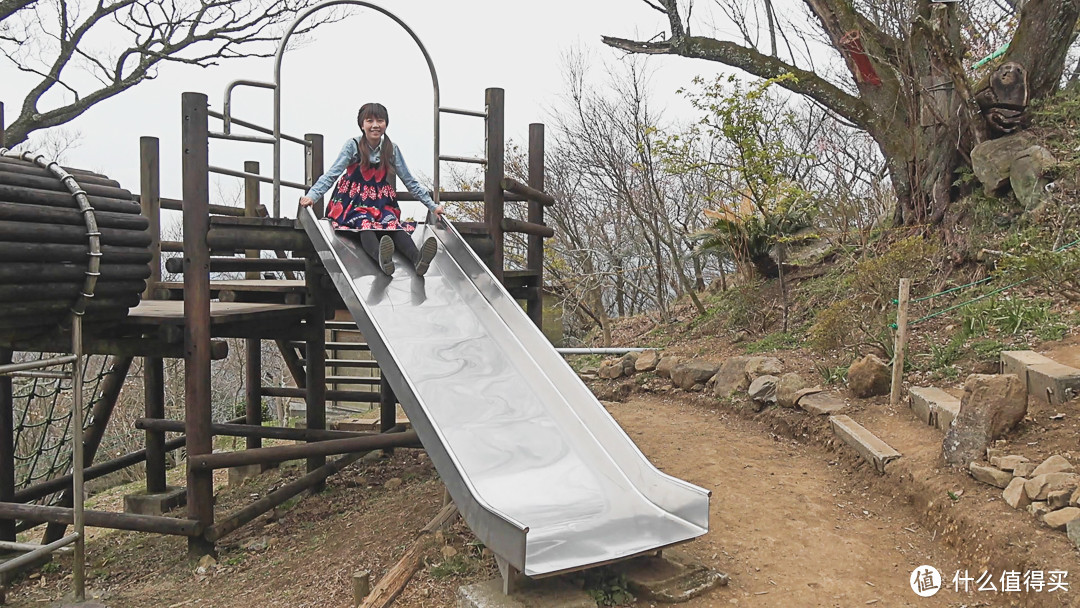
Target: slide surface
x=537, y=467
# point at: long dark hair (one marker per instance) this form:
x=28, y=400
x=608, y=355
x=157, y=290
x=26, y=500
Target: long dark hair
x=386, y=157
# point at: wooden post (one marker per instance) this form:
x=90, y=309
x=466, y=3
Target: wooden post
x=154, y=395
x=7, y=444
x=534, y=306
x=313, y=166
x=901, y=341
x=251, y=209
x=493, y=175
x=1, y=124
x=252, y=384
x=150, y=200
x=196, y=179
x=387, y=406
x=361, y=586
x=315, y=354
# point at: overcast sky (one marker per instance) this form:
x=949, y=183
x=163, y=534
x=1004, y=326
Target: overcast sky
x=474, y=44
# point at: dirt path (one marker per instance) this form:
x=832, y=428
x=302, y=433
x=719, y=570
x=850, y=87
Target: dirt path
x=792, y=522
x=787, y=523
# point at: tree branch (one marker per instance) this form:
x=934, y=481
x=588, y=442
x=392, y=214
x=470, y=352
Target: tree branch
x=753, y=62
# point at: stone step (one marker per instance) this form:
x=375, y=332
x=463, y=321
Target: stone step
x=872, y=449
x=1043, y=377
x=821, y=404
x=934, y=406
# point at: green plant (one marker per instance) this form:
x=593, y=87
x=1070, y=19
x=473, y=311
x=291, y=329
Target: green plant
x=987, y=350
x=774, y=341
x=608, y=588
x=457, y=565
x=832, y=375
x=1009, y=315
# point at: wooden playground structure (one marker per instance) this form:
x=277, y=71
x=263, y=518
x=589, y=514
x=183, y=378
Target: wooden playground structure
x=189, y=320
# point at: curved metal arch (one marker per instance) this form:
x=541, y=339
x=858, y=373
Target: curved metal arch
x=277, y=90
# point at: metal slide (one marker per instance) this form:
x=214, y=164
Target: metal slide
x=539, y=470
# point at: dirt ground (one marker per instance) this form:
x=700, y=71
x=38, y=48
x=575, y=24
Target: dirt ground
x=796, y=520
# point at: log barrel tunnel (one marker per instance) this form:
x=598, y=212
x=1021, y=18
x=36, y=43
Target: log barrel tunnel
x=48, y=263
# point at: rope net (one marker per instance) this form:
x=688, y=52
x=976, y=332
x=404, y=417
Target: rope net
x=43, y=420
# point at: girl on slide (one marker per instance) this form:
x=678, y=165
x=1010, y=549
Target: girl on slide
x=365, y=200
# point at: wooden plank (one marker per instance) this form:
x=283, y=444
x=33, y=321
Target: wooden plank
x=268, y=285
x=167, y=312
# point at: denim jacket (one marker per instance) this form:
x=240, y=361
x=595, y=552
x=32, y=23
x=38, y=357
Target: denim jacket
x=350, y=153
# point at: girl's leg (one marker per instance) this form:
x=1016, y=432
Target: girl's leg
x=370, y=242
x=380, y=248
x=404, y=243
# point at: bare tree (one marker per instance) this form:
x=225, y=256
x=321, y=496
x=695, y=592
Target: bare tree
x=83, y=53
x=902, y=75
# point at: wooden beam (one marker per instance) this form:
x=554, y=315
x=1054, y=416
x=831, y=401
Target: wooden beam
x=224, y=460
x=512, y=185
x=393, y=583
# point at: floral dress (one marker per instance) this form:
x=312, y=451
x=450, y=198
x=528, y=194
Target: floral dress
x=364, y=200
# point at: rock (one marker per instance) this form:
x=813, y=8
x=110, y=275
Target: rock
x=1074, y=501
x=257, y=545
x=1073, y=530
x=990, y=475
x=1007, y=463
x=1027, y=176
x=731, y=378
x=1053, y=464
x=629, y=362
x=1038, y=509
x=992, y=160
x=647, y=361
x=1058, y=499
x=697, y=388
x=1059, y=519
x=762, y=391
x=788, y=389
x=1014, y=494
x=610, y=370
x=618, y=392
x=393, y=483
x=762, y=366
x=1038, y=488
x=869, y=377
x=666, y=364
x=693, y=371
x=1024, y=469
x=822, y=404
x=991, y=405
x=206, y=562
x=448, y=551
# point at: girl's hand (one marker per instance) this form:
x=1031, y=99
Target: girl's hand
x=438, y=211
x=306, y=202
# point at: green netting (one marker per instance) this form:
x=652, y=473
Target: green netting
x=43, y=420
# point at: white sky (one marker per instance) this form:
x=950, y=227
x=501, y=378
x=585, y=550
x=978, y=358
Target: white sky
x=474, y=44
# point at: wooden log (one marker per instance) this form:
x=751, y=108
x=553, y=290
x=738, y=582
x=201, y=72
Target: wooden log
x=62, y=272
x=28, y=168
x=72, y=170
x=34, y=232
x=51, y=252
x=512, y=185
x=229, y=264
x=257, y=237
x=512, y=225
x=51, y=198
x=224, y=460
x=278, y=496
x=21, y=212
x=154, y=524
x=121, y=347
x=66, y=291
x=51, y=306
x=173, y=204
x=393, y=583
x=299, y=393
x=251, y=430
x=55, y=185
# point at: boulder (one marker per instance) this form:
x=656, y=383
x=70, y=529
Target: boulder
x=1038, y=508
x=1007, y=463
x=869, y=376
x=762, y=366
x=647, y=361
x=693, y=371
x=1024, y=469
x=1073, y=530
x=1058, y=499
x=731, y=377
x=789, y=389
x=1059, y=519
x=629, y=361
x=990, y=406
x=1053, y=464
x=992, y=160
x=762, y=391
x=666, y=364
x=1014, y=494
x=1027, y=176
x=990, y=475
x=1039, y=488
x=610, y=370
